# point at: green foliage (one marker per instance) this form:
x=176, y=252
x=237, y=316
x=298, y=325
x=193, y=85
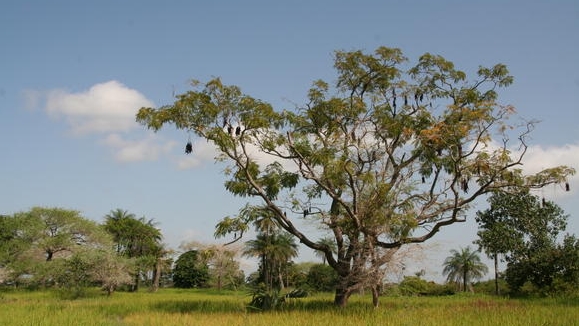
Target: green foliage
x=551, y=270
x=525, y=229
x=416, y=286
x=189, y=271
x=136, y=239
x=322, y=278
x=40, y=247
x=488, y=287
x=263, y=299
x=275, y=251
x=463, y=266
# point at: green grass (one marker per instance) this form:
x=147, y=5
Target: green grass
x=198, y=307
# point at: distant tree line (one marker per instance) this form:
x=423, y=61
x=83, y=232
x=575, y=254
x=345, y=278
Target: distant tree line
x=59, y=248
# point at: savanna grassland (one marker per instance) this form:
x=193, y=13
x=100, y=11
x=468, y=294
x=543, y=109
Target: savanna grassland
x=198, y=307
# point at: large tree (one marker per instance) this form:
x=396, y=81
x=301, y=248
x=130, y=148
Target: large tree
x=39, y=242
x=387, y=157
x=58, y=230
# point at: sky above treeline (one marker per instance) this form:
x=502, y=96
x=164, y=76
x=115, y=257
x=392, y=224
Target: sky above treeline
x=73, y=74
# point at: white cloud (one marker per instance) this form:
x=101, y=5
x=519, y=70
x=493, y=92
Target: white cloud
x=107, y=109
x=148, y=149
x=540, y=157
x=103, y=108
x=203, y=151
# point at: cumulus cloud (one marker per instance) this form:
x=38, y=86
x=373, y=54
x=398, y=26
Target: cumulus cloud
x=540, y=157
x=105, y=107
x=147, y=149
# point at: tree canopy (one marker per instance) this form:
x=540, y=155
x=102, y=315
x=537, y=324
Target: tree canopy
x=190, y=271
x=386, y=156
x=525, y=230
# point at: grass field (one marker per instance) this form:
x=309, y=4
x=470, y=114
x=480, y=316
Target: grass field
x=198, y=307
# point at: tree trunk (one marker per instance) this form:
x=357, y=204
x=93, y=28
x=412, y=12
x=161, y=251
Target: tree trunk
x=497, y=291
x=135, y=286
x=280, y=277
x=156, y=276
x=342, y=296
x=375, y=296
x=219, y=286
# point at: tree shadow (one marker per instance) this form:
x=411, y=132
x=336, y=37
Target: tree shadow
x=208, y=306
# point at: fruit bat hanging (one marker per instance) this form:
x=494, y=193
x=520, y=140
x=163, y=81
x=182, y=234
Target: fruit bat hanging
x=188, y=148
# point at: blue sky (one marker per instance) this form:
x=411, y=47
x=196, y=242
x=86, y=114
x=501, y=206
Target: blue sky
x=73, y=74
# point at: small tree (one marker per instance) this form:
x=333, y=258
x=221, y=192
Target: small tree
x=190, y=271
x=222, y=261
x=524, y=228
x=498, y=232
x=275, y=250
x=464, y=266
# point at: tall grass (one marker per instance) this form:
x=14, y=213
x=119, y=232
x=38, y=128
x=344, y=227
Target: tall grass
x=198, y=307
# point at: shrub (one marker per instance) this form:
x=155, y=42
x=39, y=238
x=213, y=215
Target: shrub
x=322, y=278
x=414, y=286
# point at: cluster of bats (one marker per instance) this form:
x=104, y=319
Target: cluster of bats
x=226, y=125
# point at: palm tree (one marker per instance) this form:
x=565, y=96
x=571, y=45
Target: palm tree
x=137, y=239
x=274, y=251
x=464, y=266
x=116, y=226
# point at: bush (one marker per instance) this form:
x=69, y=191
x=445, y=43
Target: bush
x=263, y=300
x=488, y=287
x=322, y=278
x=415, y=286
x=190, y=272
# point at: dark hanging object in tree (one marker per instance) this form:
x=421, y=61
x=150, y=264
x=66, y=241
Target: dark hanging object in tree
x=230, y=129
x=188, y=148
x=465, y=185
x=421, y=97
x=405, y=100
x=439, y=151
x=305, y=213
x=543, y=201
x=567, y=187
x=238, y=131
x=423, y=179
